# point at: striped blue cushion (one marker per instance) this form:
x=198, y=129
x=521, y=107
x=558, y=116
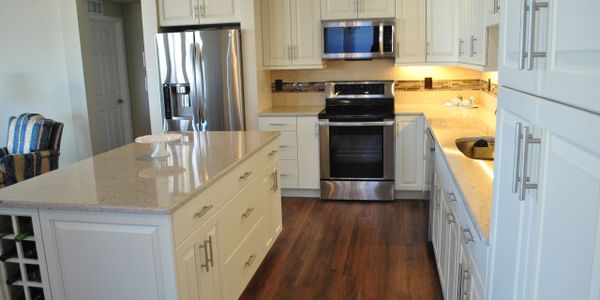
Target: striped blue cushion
x=29, y=133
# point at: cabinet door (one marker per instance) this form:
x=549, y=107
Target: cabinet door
x=511, y=72
x=478, y=38
x=219, y=11
x=442, y=31
x=573, y=64
x=306, y=32
x=492, y=12
x=442, y=260
x=437, y=220
x=178, y=12
x=272, y=198
x=277, y=33
x=564, y=256
x=409, y=153
x=308, y=153
x=510, y=228
x=464, y=30
x=197, y=264
x=339, y=9
x=376, y=9
x=411, y=35
x=453, y=255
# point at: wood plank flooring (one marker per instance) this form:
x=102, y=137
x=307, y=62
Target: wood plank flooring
x=349, y=250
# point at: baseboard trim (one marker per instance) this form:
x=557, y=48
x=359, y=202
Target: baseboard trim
x=310, y=193
x=412, y=195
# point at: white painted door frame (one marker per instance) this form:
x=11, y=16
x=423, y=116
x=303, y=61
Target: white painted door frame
x=123, y=74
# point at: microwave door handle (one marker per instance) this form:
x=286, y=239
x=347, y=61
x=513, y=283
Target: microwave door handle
x=381, y=39
x=357, y=124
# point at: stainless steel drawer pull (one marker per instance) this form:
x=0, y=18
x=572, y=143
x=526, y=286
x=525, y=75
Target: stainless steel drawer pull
x=247, y=213
x=275, y=176
x=452, y=197
x=272, y=153
x=467, y=235
x=250, y=260
x=203, y=211
x=528, y=139
x=451, y=218
x=245, y=176
x=277, y=124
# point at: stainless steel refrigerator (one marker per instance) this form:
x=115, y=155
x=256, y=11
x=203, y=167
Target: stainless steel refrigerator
x=201, y=77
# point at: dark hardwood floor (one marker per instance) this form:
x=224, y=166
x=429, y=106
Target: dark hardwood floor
x=349, y=250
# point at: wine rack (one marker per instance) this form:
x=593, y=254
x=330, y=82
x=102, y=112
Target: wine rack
x=22, y=266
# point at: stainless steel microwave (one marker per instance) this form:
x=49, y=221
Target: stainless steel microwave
x=358, y=39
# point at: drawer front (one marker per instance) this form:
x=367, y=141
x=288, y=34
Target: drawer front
x=196, y=212
x=241, y=214
x=244, y=262
x=288, y=173
x=233, y=182
x=277, y=123
x=288, y=146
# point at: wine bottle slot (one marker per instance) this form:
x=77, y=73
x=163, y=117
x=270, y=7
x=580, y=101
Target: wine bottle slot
x=8, y=254
x=23, y=235
x=13, y=278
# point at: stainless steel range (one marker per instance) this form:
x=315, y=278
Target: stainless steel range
x=357, y=141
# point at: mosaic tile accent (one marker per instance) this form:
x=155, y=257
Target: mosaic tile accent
x=400, y=85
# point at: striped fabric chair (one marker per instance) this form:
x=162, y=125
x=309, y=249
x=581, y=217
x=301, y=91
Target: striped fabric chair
x=33, y=148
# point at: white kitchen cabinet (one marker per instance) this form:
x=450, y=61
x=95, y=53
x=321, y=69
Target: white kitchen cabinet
x=291, y=34
x=442, y=26
x=472, y=32
x=409, y=153
x=556, y=225
x=436, y=221
x=197, y=12
x=453, y=244
x=492, y=12
x=272, y=198
x=411, y=31
x=308, y=153
x=287, y=126
x=469, y=286
x=198, y=274
x=352, y=9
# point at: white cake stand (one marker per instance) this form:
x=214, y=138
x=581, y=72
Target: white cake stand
x=159, y=141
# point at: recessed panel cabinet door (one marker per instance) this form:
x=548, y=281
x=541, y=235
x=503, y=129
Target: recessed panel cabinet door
x=409, y=153
x=306, y=33
x=339, y=9
x=277, y=33
x=308, y=153
x=411, y=31
x=376, y=9
x=565, y=253
x=178, y=12
x=219, y=11
x=510, y=229
x=442, y=31
x=573, y=64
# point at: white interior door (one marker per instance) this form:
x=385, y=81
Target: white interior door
x=112, y=103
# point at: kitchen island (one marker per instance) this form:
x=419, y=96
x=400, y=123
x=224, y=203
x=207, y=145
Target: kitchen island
x=121, y=225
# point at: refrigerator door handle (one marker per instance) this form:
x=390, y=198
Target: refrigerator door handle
x=200, y=87
x=195, y=91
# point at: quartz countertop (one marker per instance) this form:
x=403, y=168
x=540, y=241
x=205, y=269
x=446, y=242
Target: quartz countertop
x=128, y=180
x=306, y=110
x=474, y=177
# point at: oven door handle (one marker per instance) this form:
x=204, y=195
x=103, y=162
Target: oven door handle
x=357, y=124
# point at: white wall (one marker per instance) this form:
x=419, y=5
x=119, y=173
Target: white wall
x=41, y=70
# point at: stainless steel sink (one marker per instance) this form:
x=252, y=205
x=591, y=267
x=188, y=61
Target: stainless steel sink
x=477, y=147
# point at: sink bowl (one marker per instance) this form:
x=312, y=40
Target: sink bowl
x=477, y=147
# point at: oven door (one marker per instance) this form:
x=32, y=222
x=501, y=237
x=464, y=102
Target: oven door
x=357, y=151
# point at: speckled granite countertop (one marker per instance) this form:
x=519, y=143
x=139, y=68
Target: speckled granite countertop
x=279, y=111
x=127, y=180
x=474, y=177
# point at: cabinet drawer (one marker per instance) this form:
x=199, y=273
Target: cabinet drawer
x=288, y=172
x=277, y=123
x=288, y=146
x=244, y=262
x=194, y=213
x=241, y=214
x=233, y=182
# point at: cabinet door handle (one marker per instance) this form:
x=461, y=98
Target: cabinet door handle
x=295, y=53
x=208, y=254
x=473, y=40
x=451, y=197
x=272, y=153
x=316, y=128
x=250, y=260
x=528, y=139
x=534, y=6
x=451, y=218
x=245, y=176
x=195, y=12
x=523, y=33
x=248, y=212
x=275, y=176
x=460, y=48
x=467, y=235
x=517, y=158
x=460, y=281
x=466, y=277
x=203, y=211
x=278, y=124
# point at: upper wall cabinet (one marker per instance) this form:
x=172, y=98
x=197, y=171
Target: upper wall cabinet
x=291, y=32
x=442, y=26
x=361, y=9
x=492, y=12
x=197, y=12
x=472, y=32
x=410, y=31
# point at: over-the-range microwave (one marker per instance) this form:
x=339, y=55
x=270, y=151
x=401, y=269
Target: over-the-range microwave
x=358, y=39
